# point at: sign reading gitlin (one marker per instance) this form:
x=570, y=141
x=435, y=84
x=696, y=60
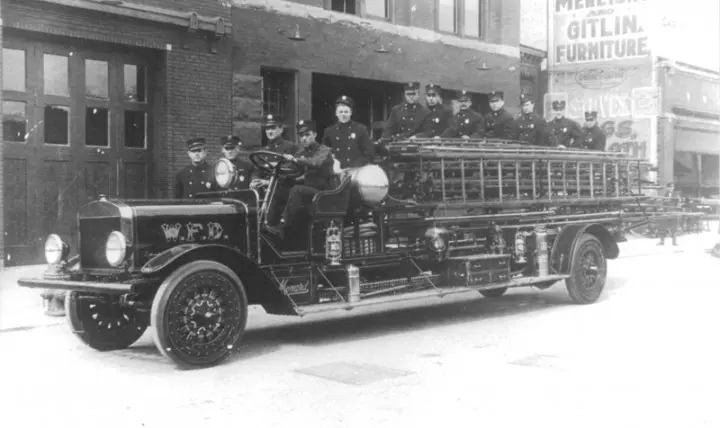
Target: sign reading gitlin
x=584, y=31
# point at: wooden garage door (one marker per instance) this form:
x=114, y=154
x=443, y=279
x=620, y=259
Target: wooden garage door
x=76, y=124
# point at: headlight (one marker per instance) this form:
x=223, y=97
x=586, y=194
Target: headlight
x=224, y=173
x=436, y=241
x=55, y=249
x=115, y=248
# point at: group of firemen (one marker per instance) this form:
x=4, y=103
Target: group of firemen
x=348, y=144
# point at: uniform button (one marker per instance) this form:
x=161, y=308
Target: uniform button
x=191, y=183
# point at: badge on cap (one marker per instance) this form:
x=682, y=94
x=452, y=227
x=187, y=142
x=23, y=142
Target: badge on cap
x=352, y=135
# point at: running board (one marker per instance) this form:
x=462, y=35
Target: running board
x=433, y=292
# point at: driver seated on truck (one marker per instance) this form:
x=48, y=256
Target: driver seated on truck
x=317, y=162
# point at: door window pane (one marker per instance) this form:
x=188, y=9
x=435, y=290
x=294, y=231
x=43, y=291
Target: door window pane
x=135, y=83
x=14, y=121
x=96, y=79
x=376, y=8
x=57, y=125
x=97, y=126
x=13, y=61
x=55, y=75
x=135, y=129
x=446, y=15
x=472, y=18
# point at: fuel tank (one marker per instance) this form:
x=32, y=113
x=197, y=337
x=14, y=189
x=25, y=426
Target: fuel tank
x=369, y=184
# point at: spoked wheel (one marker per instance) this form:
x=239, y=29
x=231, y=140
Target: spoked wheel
x=494, y=293
x=102, y=324
x=199, y=313
x=588, y=272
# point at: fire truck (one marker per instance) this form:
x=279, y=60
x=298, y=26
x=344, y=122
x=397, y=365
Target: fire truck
x=432, y=218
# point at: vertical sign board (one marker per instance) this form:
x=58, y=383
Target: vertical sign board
x=599, y=60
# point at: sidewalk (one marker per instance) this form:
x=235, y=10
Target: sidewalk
x=21, y=308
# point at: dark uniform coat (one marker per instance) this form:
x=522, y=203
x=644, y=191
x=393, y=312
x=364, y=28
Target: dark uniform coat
x=530, y=128
x=318, y=163
x=194, y=179
x=593, y=138
x=499, y=124
x=350, y=143
x=404, y=121
x=436, y=121
x=564, y=132
x=466, y=122
x=281, y=146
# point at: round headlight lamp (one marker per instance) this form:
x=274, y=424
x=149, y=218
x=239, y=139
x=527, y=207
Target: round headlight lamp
x=115, y=249
x=224, y=173
x=436, y=242
x=55, y=249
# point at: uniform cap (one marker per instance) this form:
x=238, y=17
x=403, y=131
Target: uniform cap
x=344, y=99
x=431, y=87
x=412, y=86
x=558, y=105
x=524, y=99
x=590, y=115
x=272, y=120
x=305, y=126
x=497, y=95
x=230, y=141
x=463, y=95
x=195, y=143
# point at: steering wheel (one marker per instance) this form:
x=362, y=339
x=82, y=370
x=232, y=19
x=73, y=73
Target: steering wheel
x=274, y=163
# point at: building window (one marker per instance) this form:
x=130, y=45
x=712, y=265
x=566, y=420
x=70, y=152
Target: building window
x=135, y=83
x=473, y=14
x=135, y=129
x=14, y=121
x=55, y=75
x=96, y=79
x=57, y=125
x=377, y=8
x=97, y=127
x=345, y=6
x=13, y=66
x=447, y=15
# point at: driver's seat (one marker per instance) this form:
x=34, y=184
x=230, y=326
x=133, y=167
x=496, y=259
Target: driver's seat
x=332, y=203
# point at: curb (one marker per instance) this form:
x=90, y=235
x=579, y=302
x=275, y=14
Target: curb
x=29, y=327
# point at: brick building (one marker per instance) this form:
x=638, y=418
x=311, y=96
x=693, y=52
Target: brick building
x=366, y=49
x=97, y=98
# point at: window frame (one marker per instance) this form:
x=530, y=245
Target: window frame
x=482, y=20
x=456, y=19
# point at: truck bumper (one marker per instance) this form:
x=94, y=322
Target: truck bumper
x=86, y=287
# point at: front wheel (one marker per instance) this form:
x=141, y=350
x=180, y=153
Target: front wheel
x=102, y=323
x=199, y=313
x=588, y=270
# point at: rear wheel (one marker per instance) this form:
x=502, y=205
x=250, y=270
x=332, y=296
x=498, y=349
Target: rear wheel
x=102, y=323
x=199, y=313
x=588, y=270
x=494, y=293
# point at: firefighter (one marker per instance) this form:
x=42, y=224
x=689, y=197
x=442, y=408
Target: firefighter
x=529, y=126
x=317, y=162
x=274, y=128
x=467, y=123
x=592, y=136
x=196, y=177
x=405, y=119
x=562, y=131
x=439, y=115
x=499, y=122
x=231, y=146
x=349, y=141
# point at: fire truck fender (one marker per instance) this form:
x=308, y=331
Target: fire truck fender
x=564, y=246
x=260, y=288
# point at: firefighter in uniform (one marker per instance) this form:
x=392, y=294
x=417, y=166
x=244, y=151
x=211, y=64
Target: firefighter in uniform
x=405, y=119
x=499, y=122
x=317, y=162
x=231, y=146
x=592, y=137
x=439, y=115
x=529, y=126
x=563, y=132
x=348, y=140
x=196, y=177
x=274, y=127
x=467, y=123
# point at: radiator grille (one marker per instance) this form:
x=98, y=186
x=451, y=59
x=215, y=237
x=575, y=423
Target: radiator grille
x=93, y=235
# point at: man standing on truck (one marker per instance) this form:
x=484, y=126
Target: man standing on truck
x=592, y=138
x=563, y=132
x=467, y=123
x=196, y=177
x=439, y=115
x=499, y=122
x=405, y=119
x=529, y=126
x=350, y=141
x=317, y=161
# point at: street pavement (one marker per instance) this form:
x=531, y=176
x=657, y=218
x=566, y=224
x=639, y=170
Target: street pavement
x=645, y=355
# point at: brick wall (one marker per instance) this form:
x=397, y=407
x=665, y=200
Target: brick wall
x=346, y=48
